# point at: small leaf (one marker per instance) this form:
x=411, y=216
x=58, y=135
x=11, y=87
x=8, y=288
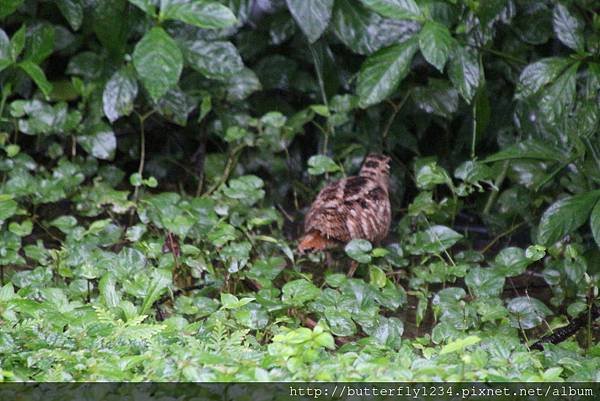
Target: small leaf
x=8, y=207
x=566, y=216
x=201, y=13
x=72, y=10
x=297, y=292
x=158, y=61
x=459, y=345
x=38, y=76
x=311, y=15
x=101, y=142
x=436, y=43
x=358, y=249
x=567, y=27
x=320, y=164
x=382, y=72
x=595, y=223
x=435, y=239
x=464, y=72
x=119, y=94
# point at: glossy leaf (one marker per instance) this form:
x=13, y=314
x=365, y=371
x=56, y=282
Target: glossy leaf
x=37, y=75
x=359, y=249
x=72, y=11
x=435, y=43
x=567, y=27
x=539, y=74
x=311, y=15
x=464, y=72
x=201, y=13
x=566, y=216
x=119, y=94
x=595, y=223
x=216, y=59
x=383, y=71
x=158, y=62
x=397, y=9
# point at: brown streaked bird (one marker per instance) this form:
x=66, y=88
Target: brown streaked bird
x=356, y=207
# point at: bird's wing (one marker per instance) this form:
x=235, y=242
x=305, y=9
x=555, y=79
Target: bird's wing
x=355, y=207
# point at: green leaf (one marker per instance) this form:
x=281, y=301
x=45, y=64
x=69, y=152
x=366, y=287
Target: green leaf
x=358, y=249
x=39, y=43
x=382, y=72
x=108, y=291
x=38, y=76
x=485, y=282
x=22, y=230
x=566, y=216
x=435, y=43
x=320, y=164
x=377, y=277
x=7, y=7
x=311, y=15
x=72, y=10
x=298, y=292
x=558, y=98
x=464, y=72
x=568, y=28
x=216, y=59
x=159, y=281
x=17, y=42
x=147, y=6
x=8, y=207
x=397, y=9
x=527, y=312
x=511, y=261
x=539, y=74
x=101, y=142
x=119, y=94
x=252, y=316
x=459, y=345
x=201, y=13
x=595, y=223
x=111, y=25
x=529, y=149
x=438, y=97
x=247, y=189
x=5, y=51
x=158, y=61
x=435, y=239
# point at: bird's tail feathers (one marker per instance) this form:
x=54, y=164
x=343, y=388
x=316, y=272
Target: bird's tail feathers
x=314, y=241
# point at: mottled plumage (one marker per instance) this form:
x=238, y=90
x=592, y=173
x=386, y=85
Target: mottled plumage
x=356, y=207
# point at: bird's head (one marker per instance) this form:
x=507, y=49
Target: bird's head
x=376, y=166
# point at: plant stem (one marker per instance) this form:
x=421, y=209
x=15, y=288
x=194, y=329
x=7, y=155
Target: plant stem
x=499, y=180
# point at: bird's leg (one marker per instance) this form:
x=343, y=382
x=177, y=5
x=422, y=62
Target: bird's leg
x=329, y=259
x=353, y=266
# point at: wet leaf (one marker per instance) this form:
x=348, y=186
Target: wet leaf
x=311, y=15
x=359, y=250
x=435, y=43
x=158, y=62
x=119, y=94
x=567, y=27
x=201, y=13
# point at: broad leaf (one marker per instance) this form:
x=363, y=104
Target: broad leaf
x=158, y=61
x=397, y=9
x=530, y=149
x=567, y=27
x=558, y=98
x=72, y=10
x=566, y=216
x=119, y=94
x=539, y=74
x=359, y=250
x=464, y=72
x=38, y=76
x=595, y=223
x=382, y=72
x=217, y=60
x=201, y=13
x=436, y=43
x=311, y=15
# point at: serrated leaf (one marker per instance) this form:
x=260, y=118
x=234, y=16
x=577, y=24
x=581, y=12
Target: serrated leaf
x=382, y=72
x=158, y=62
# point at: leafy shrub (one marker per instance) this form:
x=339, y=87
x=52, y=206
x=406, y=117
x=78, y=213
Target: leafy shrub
x=157, y=156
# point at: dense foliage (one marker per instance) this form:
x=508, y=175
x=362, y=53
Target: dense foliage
x=156, y=159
